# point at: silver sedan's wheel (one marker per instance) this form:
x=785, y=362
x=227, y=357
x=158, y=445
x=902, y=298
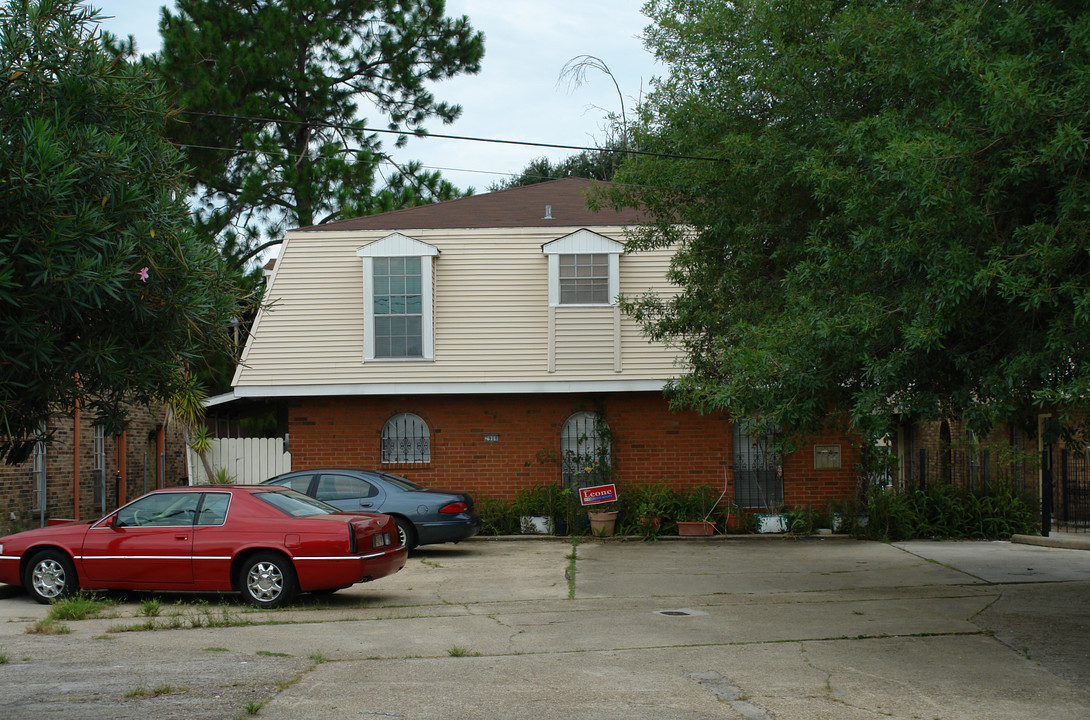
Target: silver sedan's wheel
x=50, y=575
x=268, y=580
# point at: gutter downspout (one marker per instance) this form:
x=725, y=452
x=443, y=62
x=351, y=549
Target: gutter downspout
x=161, y=460
x=75, y=463
x=1044, y=476
x=122, y=466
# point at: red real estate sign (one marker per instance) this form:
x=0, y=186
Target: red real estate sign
x=597, y=494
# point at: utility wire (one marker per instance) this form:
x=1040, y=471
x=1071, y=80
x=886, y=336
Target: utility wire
x=341, y=126
x=378, y=160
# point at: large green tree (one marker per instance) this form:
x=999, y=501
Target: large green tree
x=107, y=297
x=894, y=216
x=591, y=164
x=270, y=91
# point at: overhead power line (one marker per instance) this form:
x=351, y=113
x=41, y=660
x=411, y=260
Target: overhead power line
x=467, y=138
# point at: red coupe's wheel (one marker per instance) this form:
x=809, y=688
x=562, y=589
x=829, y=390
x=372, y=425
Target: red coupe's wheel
x=50, y=575
x=267, y=580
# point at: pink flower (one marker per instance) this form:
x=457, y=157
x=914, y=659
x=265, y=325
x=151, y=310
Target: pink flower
x=143, y=274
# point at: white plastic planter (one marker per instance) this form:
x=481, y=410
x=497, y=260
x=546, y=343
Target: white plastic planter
x=771, y=523
x=536, y=525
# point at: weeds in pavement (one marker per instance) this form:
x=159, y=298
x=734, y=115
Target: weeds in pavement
x=198, y=615
x=571, y=567
x=151, y=607
x=48, y=626
x=459, y=651
x=80, y=607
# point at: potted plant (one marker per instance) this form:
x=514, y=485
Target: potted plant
x=533, y=506
x=773, y=519
x=695, y=511
x=603, y=519
x=734, y=518
x=651, y=503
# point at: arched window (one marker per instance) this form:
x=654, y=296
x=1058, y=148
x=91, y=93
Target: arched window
x=406, y=439
x=585, y=452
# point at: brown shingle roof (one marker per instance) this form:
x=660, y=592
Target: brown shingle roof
x=517, y=207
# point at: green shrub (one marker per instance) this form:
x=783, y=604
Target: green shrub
x=943, y=511
x=534, y=500
x=497, y=516
x=638, y=503
x=802, y=520
x=701, y=503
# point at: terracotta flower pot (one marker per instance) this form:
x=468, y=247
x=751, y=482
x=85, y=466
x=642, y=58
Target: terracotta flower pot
x=651, y=523
x=699, y=528
x=602, y=524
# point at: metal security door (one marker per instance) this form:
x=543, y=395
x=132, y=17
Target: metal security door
x=758, y=471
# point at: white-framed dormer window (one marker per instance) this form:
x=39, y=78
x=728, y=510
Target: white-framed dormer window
x=584, y=279
x=397, y=299
x=584, y=269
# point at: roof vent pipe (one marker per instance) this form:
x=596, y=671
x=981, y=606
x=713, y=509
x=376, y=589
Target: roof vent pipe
x=548, y=212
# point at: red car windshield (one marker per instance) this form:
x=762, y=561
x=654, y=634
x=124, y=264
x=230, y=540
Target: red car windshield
x=295, y=503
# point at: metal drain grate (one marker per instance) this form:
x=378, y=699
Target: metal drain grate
x=680, y=612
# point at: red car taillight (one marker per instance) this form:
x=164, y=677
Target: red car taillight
x=351, y=539
x=454, y=508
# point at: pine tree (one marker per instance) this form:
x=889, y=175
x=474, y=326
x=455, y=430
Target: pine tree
x=270, y=91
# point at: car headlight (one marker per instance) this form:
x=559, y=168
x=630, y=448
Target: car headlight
x=379, y=540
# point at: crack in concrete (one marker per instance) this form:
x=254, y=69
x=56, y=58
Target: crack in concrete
x=731, y=694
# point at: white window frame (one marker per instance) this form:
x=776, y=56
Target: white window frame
x=583, y=242
x=398, y=245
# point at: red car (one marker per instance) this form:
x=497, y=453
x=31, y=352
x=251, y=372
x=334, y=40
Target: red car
x=264, y=541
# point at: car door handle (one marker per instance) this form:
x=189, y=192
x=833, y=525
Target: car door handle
x=181, y=537
x=366, y=504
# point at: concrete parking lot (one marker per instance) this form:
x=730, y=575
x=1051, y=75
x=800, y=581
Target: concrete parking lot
x=751, y=627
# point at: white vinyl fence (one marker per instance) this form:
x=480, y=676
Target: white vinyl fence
x=246, y=460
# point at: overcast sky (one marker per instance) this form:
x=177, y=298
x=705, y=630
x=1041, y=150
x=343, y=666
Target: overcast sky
x=516, y=95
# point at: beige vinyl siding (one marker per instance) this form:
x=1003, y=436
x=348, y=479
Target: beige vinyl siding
x=584, y=340
x=641, y=273
x=491, y=315
x=491, y=309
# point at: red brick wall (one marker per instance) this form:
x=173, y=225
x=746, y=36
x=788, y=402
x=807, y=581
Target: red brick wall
x=650, y=442
x=16, y=483
x=805, y=485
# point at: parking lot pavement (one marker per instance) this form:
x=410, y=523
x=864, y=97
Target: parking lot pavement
x=750, y=628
